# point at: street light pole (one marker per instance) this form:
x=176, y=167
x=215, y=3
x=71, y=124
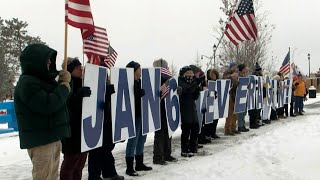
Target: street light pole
x=309, y=64
x=214, y=55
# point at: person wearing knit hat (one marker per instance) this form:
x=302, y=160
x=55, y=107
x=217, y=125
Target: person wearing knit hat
x=190, y=86
x=135, y=146
x=73, y=160
x=162, y=141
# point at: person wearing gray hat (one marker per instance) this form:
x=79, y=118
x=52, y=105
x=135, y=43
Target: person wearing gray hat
x=162, y=141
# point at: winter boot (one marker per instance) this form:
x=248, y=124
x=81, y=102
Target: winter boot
x=130, y=171
x=116, y=177
x=159, y=160
x=139, y=164
x=169, y=158
x=243, y=129
x=215, y=136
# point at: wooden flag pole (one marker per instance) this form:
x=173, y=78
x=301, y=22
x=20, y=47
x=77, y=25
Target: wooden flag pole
x=65, y=46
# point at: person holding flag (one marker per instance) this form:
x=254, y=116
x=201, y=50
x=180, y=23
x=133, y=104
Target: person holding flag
x=41, y=108
x=162, y=141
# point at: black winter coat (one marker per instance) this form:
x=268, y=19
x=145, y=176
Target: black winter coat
x=190, y=93
x=137, y=97
x=73, y=143
x=107, y=123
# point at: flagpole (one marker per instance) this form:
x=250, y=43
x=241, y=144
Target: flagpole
x=65, y=46
x=290, y=72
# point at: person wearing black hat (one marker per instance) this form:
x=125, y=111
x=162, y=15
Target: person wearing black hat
x=73, y=160
x=254, y=114
x=189, y=119
x=243, y=72
x=135, y=146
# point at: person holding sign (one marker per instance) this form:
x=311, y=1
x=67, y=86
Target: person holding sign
x=230, y=128
x=189, y=118
x=40, y=105
x=101, y=160
x=243, y=72
x=254, y=114
x=135, y=146
x=162, y=141
x=73, y=160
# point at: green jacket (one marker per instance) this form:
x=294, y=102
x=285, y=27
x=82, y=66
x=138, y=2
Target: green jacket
x=40, y=102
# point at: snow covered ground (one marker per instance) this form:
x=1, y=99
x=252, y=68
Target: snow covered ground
x=287, y=149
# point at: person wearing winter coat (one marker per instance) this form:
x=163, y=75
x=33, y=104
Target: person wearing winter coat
x=243, y=72
x=299, y=94
x=101, y=160
x=210, y=130
x=135, y=146
x=292, y=103
x=190, y=92
x=73, y=160
x=274, y=115
x=203, y=137
x=255, y=113
x=41, y=109
x=230, y=128
x=266, y=109
x=162, y=141
x=281, y=110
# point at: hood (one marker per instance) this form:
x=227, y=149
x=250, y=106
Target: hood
x=34, y=60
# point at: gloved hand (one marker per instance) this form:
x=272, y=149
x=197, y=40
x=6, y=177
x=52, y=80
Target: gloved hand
x=296, y=84
x=179, y=90
x=215, y=94
x=141, y=92
x=110, y=89
x=203, y=110
x=65, y=78
x=84, y=92
x=200, y=79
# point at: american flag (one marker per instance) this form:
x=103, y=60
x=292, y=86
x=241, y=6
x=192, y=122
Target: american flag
x=165, y=86
x=242, y=24
x=285, y=67
x=110, y=60
x=78, y=14
x=96, y=45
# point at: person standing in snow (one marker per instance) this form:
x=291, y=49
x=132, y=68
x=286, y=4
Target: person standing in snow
x=243, y=72
x=190, y=91
x=230, y=128
x=209, y=130
x=41, y=109
x=135, y=146
x=299, y=94
x=255, y=113
x=73, y=160
x=162, y=141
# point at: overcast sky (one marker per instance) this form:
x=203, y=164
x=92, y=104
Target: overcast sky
x=144, y=30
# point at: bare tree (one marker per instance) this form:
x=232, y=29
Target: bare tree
x=197, y=61
x=248, y=52
x=173, y=69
